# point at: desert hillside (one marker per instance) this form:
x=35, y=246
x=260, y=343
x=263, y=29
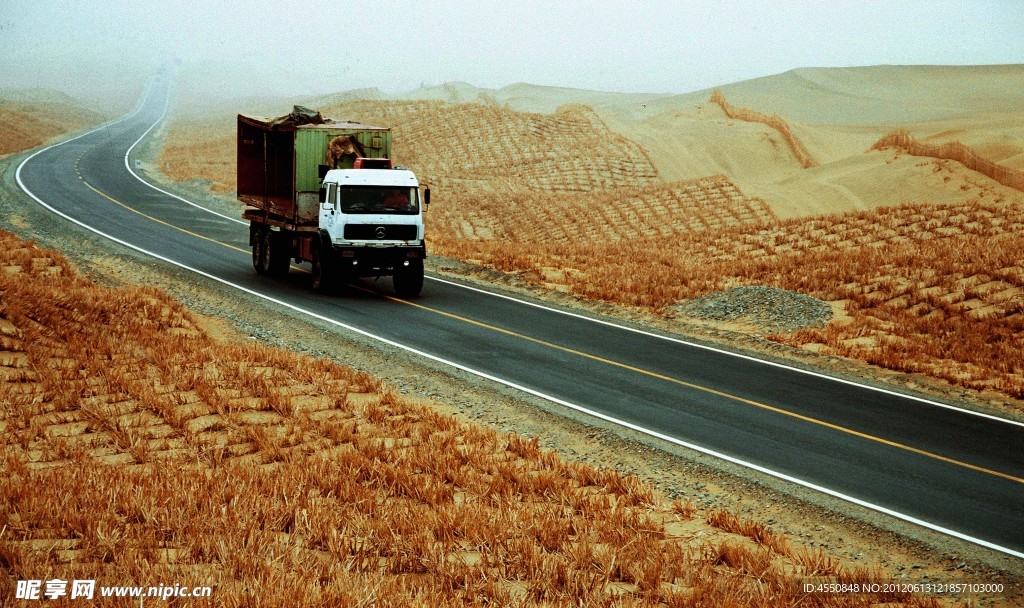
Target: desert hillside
x=871, y=95
x=532, y=98
x=29, y=118
x=837, y=114
x=784, y=181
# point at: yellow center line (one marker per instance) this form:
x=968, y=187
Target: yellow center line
x=603, y=360
x=711, y=391
x=159, y=221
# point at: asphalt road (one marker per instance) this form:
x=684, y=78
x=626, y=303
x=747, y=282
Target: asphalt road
x=953, y=471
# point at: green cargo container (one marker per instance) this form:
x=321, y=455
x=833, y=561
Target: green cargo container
x=311, y=146
x=280, y=162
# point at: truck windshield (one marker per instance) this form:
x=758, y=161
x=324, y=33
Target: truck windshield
x=379, y=199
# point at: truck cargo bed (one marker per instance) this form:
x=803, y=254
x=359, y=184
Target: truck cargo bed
x=263, y=216
x=280, y=162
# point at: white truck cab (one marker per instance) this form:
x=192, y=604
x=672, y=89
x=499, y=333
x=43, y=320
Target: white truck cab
x=372, y=208
x=373, y=220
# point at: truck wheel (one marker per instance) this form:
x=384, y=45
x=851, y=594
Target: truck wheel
x=408, y=280
x=324, y=279
x=259, y=252
x=277, y=253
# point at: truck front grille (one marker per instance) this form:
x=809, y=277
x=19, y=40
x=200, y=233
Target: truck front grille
x=380, y=232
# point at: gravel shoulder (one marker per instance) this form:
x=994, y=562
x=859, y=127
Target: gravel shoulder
x=854, y=534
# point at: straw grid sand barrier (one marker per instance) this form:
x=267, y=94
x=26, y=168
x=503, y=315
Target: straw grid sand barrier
x=954, y=150
x=138, y=450
x=774, y=121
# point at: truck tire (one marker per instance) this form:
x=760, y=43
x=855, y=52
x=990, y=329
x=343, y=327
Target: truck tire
x=259, y=252
x=408, y=280
x=325, y=278
x=277, y=251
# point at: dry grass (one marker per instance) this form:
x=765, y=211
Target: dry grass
x=138, y=450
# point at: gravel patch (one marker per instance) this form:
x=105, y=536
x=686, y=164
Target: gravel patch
x=771, y=309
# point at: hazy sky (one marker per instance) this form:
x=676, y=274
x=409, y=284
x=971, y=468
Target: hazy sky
x=616, y=46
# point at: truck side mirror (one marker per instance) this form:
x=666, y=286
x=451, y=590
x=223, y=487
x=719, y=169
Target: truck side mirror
x=426, y=196
x=323, y=194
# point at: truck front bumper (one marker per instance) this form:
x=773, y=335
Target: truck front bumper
x=376, y=260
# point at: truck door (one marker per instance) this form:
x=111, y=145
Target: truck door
x=329, y=212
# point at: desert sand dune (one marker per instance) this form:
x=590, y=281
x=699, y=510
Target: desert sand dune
x=837, y=114
x=869, y=95
x=533, y=98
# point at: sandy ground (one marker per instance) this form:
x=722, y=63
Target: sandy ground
x=838, y=115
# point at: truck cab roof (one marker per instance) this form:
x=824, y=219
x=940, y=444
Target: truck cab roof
x=371, y=177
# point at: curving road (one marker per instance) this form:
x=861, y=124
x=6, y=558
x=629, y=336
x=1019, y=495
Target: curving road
x=953, y=471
